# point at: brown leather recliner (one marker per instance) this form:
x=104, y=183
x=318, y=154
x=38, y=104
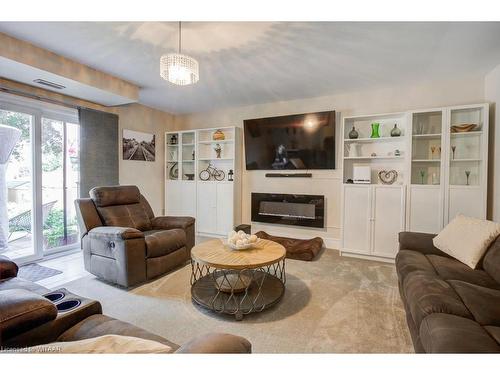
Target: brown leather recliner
x=124, y=243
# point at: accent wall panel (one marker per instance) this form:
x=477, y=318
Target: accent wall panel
x=98, y=150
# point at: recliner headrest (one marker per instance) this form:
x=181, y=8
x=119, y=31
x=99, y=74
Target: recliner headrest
x=115, y=195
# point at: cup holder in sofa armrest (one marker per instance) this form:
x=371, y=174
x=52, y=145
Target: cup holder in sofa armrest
x=54, y=296
x=68, y=305
x=70, y=310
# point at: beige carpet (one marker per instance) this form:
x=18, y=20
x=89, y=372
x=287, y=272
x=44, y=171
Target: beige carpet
x=332, y=305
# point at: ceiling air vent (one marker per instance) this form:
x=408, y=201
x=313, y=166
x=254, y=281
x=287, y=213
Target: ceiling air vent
x=50, y=84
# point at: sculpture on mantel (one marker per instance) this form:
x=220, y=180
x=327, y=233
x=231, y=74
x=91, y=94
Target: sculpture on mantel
x=9, y=137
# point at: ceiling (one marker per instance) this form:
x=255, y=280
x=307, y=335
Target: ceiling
x=245, y=63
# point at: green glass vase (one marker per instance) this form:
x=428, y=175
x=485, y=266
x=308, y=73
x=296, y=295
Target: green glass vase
x=375, y=128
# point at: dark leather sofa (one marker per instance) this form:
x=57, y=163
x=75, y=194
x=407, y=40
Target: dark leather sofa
x=124, y=243
x=450, y=308
x=28, y=318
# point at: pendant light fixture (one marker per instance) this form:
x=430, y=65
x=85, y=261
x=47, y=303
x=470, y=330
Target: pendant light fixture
x=179, y=69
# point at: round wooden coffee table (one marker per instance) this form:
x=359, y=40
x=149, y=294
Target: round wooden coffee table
x=237, y=282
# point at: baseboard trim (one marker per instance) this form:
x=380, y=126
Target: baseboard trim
x=330, y=243
x=211, y=235
x=366, y=257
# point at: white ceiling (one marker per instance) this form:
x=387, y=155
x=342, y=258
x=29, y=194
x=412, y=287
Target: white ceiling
x=244, y=63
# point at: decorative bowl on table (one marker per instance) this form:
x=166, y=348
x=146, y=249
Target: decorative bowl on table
x=240, y=240
x=463, y=128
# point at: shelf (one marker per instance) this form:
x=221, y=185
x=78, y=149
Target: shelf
x=466, y=134
x=400, y=139
x=188, y=161
x=426, y=160
x=428, y=186
x=456, y=186
x=372, y=157
x=430, y=136
x=210, y=142
x=225, y=181
x=209, y=159
x=171, y=145
x=188, y=144
x=464, y=160
x=178, y=180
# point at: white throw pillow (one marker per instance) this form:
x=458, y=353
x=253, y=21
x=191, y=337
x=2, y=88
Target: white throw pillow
x=107, y=344
x=467, y=238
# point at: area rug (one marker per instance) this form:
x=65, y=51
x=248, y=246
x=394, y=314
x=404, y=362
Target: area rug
x=35, y=272
x=331, y=305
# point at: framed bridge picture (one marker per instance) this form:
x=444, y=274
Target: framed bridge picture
x=138, y=145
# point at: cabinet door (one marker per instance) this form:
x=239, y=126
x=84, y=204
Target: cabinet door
x=466, y=200
x=356, y=221
x=207, y=207
x=180, y=199
x=425, y=209
x=173, y=204
x=187, y=198
x=388, y=219
x=224, y=208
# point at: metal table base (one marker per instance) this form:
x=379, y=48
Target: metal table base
x=237, y=292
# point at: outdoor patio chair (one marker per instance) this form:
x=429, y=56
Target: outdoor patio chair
x=22, y=222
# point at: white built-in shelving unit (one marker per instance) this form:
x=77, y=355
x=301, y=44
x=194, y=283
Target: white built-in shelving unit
x=214, y=204
x=372, y=213
x=439, y=188
x=440, y=174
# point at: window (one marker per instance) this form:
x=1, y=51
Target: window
x=42, y=178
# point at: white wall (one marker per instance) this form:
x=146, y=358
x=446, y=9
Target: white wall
x=464, y=90
x=492, y=95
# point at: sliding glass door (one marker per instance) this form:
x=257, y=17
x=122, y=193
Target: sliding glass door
x=60, y=178
x=42, y=181
x=19, y=179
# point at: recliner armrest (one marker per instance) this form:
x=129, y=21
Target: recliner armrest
x=172, y=222
x=22, y=310
x=421, y=242
x=218, y=343
x=115, y=233
x=116, y=254
x=8, y=268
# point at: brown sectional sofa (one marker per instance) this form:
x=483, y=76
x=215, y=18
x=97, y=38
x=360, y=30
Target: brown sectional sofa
x=450, y=308
x=124, y=243
x=27, y=318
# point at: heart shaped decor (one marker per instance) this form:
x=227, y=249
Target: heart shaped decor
x=388, y=177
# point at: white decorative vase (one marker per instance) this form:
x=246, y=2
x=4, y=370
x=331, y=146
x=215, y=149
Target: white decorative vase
x=9, y=136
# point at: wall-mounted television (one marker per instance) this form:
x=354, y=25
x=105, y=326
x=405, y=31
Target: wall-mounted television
x=302, y=141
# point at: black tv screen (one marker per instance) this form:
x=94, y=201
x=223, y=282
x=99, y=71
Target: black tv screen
x=304, y=141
